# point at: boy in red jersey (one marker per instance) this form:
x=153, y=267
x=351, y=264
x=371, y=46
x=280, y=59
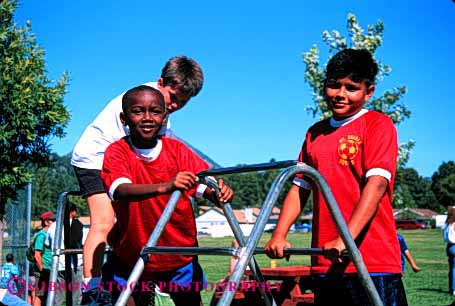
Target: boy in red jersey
x=356, y=152
x=140, y=172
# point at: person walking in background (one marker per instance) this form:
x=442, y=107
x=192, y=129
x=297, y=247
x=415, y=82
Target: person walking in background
x=405, y=253
x=449, y=238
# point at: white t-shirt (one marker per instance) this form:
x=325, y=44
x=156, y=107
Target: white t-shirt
x=104, y=130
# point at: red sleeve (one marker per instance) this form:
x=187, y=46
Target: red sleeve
x=381, y=148
x=299, y=179
x=115, y=167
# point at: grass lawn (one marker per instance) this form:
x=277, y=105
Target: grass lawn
x=429, y=287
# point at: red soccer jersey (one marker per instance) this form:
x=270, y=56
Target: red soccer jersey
x=136, y=220
x=346, y=154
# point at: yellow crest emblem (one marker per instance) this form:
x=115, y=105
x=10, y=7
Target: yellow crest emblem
x=348, y=148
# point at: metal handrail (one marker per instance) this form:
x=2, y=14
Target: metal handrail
x=62, y=218
x=247, y=247
x=261, y=221
x=169, y=209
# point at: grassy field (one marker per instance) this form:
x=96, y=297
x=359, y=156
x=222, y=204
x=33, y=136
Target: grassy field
x=429, y=287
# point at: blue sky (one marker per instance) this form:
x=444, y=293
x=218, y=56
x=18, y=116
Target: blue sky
x=252, y=106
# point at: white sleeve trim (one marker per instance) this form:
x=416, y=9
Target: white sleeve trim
x=380, y=172
x=116, y=183
x=200, y=191
x=302, y=183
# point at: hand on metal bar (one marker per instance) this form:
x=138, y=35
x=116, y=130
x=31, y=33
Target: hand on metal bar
x=223, y=193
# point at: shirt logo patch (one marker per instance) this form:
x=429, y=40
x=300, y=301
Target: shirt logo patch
x=348, y=148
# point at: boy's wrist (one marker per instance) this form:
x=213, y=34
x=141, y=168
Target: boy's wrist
x=165, y=187
x=277, y=234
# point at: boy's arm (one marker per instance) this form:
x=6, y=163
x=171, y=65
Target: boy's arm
x=411, y=261
x=39, y=249
x=363, y=212
x=136, y=192
x=292, y=206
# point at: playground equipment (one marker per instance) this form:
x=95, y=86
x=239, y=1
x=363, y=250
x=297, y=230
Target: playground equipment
x=247, y=247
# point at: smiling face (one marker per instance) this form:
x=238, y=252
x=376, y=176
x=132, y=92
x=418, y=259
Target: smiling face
x=346, y=97
x=144, y=113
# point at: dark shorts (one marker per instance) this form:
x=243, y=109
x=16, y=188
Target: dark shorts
x=348, y=290
x=89, y=181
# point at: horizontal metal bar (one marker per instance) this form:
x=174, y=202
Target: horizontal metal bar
x=249, y=168
x=78, y=251
x=224, y=251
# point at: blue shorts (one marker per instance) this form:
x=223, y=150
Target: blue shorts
x=348, y=290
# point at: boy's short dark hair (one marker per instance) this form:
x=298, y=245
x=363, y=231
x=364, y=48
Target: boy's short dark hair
x=9, y=257
x=130, y=94
x=183, y=73
x=358, y=64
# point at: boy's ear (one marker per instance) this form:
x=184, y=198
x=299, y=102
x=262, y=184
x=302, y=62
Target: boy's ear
x=370, y=92
x=123, y=118
x=160, y=83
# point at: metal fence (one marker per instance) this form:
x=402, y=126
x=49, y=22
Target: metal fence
x=16, y=233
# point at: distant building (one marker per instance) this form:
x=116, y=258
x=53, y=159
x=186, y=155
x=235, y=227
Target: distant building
x=212, y=221
x=424, y=215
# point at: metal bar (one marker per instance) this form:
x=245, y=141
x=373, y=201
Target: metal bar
x=140, y=264
x=27, y=237
x=269, y=202
x=246, y=252
x=225, y=251
x=343, y=230
x=248, y=168
x=55, y=248
x=238, y=234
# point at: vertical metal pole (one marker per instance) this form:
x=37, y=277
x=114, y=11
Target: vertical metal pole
x=153, y=240
x=255, y=271
x=56, y=244
x=343, y=230
x=246, y=252
x=27, y=235
x=238, y=235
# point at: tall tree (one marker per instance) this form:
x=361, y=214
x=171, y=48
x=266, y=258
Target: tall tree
x=371, y=39
x=414, y=190
x=443, y=184
x=31, y=106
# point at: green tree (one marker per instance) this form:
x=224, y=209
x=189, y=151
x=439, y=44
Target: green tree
x=443, y=184
x=31, y=106
x=370, y=39
x=52, y=180
x=413, y=190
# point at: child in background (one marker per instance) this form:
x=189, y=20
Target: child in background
x=356, y=152
x=140, y=172
x=9, y=269
x=405, y=253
